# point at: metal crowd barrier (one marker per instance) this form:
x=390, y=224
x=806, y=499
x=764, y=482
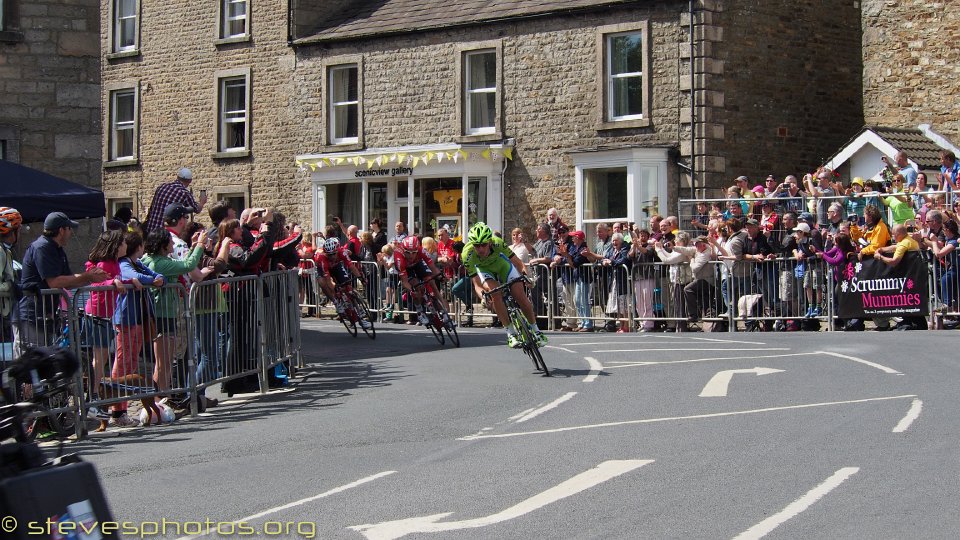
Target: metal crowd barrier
x=217, y=331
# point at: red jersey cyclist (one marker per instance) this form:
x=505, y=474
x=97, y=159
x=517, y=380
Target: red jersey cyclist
x=490, y=263
x=334, y=269
x=415, y=263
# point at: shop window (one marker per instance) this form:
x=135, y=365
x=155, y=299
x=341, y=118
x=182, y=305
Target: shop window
x=605, y=194
x=344, y=96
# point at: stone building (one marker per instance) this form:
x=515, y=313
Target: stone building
x=50, y=92
x=911, y=66
x=402, y=109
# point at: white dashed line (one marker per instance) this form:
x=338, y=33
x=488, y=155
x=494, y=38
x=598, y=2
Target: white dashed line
x=766, y=526
x=912, y=415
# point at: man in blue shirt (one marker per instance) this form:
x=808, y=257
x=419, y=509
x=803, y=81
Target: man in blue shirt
x=901, y=165
x=949, y=170
x=45, y=266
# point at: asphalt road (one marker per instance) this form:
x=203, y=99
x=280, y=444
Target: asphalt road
x=658, y=436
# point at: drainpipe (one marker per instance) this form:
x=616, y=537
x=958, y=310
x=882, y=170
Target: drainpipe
x=693, y=112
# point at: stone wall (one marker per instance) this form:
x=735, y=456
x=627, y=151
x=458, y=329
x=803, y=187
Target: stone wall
x=49, y=95
x=550, y=96
x=176, y=70
x=783, y=86
x=911, y=68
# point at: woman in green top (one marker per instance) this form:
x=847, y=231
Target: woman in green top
x=159, y=246
x=899, y=203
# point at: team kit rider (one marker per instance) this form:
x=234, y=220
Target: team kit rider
x=415, y=261
x=489, y=263
x=334, y=269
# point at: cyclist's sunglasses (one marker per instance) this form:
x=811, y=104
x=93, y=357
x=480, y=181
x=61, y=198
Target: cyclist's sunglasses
x=483, y=245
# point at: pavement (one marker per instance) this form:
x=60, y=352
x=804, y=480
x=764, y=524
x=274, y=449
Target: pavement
x=746, y=435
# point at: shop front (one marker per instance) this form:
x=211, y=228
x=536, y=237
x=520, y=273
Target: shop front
x=426, y=187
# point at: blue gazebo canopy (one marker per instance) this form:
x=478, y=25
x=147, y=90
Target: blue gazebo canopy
x=35, y=194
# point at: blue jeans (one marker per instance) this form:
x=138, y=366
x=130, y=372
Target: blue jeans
x=212, y=346
x=582, y=301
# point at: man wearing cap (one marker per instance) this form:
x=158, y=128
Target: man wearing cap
x=45, y=266
x=173, y=192
x=702, y=290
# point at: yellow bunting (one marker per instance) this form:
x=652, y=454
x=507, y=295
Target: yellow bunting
x=326, y=161
x=464, y=154
x=299, y=163
x=416, y=159
x=355, y=160
x=429, y=158
x=369, y=164
x=401, y=158
x=485, y=154
x=508, y=152
x=339, y=160
x=313, y=166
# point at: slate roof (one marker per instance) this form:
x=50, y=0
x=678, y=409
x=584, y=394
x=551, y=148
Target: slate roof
x=379, y=17
x=920, y=149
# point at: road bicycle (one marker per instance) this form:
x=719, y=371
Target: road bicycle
x=519, y=323
x=436, y=318
x=355, y=311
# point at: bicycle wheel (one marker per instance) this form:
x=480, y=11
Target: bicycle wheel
x=449, y=327
x=363, y=312
x=432, y=315
x=529, y=344
x=347, y=321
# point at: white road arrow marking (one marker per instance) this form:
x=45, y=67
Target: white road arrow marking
x=388, y=530
x=717, y=387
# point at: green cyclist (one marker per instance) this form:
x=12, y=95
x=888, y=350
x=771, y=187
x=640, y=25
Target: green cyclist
x=489, y=263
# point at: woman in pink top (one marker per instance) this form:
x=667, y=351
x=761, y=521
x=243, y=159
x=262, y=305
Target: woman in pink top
x=98, y=312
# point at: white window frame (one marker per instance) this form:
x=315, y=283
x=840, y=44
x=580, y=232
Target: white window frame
x=612, y=78
x=114, y=204
x=640, y=163
x=130, y=125
x=334, y=105
x=226, y=19
x=116, y=23
x=470, y=93
x=606, y=77
x=226, y=118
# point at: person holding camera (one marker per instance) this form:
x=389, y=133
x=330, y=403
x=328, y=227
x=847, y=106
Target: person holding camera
x=177, y=192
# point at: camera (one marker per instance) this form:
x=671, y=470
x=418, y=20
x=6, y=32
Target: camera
x=852, y=218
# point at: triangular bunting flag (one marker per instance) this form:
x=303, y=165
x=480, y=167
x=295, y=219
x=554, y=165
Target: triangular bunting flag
x=508, y=152
x=485, y=153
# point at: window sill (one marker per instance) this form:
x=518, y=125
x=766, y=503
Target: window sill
x=231, y=40
x=11, y=36
x=121, y=163
x=231, y=154
x=625, y=124
x=124, y=54
x=347, y=147
x=484, y=137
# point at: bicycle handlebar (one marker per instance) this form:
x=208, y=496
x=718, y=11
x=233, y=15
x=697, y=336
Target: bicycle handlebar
x=505, y=286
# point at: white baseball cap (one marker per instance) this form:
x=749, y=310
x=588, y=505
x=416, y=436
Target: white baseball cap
x=185, y=173
x=802, y=227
